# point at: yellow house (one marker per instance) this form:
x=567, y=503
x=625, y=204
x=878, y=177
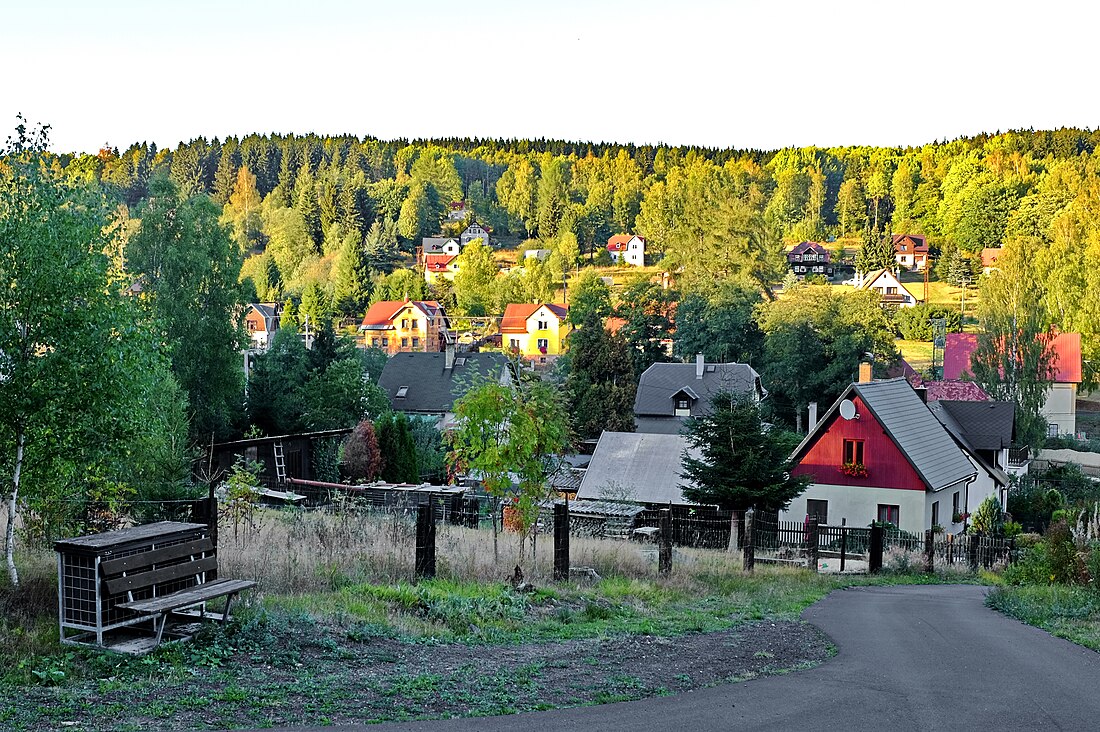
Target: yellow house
x=536, y=332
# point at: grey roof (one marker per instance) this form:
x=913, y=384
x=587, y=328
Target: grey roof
x=984, y=425
x=433, y=389
x=640, y=467
x=661, y=381
x=604, y=509
x=659, y=425
x=974, y=434
x=435, y=244
x=920, y=437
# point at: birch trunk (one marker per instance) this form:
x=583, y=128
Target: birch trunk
x=9, y=539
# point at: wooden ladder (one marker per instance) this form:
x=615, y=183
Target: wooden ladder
x=280, y=463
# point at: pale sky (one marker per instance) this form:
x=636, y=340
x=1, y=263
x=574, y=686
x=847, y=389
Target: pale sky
x=724, y=74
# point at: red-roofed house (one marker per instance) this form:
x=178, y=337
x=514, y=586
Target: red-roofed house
x=990, y=255
x=628, y=248
x=1060, y=407
x=405, y=325
x=440, y=266
x=911, y=251
x=810, y=258
x=535, y=331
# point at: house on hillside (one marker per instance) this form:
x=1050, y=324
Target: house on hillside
x=911, y=251
x=810, y=258
x=669, y=393
x=627, y=248
x=261, y=321
x=429, y=383
x=1060, y=405
x=430, y=245
x=638, y=468
x=536, y=332
x=440, y=267
x=474, y=231
x=396, y=326
x=990, y=255
x=890, y=288
x=457, y=211
x=880, y=454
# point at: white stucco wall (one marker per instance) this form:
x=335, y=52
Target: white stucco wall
x=858, y=505
x=1060, y=408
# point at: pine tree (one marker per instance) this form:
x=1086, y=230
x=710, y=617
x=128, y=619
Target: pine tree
x=601, y=383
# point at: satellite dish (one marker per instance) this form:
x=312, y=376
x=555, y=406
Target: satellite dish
x=848, y=409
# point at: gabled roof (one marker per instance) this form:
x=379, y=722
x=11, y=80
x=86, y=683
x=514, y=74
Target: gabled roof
x=269, y=311
x=646, y=466
x=438, y=262
x=870, y=279
x=618, y=242
x=435, y=244
x=429, y=387
x=381, y=314
x=910, y=424
x=978, y=426
x=662, y=381
x=920, y=243
x=806, y=246
x=516, y=315
x=990, y=255
x=959, y=347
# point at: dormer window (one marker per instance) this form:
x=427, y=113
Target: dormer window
x=402, y=392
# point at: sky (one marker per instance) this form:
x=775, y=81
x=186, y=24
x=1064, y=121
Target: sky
x=765, y=74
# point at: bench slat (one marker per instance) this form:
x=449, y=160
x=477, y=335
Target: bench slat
x=141, y=580
x=190, y=596
x=156, y=556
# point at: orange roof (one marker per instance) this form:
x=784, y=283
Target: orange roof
x=990, y=255
x=382, y=313
x=920, y=243
x=618, y=242
x=614, y=324
x=438, y=262
x=517, y=313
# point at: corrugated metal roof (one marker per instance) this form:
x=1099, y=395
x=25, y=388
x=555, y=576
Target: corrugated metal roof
x=959, y=347
x=640, y=467
x=661, y=381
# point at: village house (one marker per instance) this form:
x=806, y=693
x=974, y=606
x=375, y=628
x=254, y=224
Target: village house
x=911, y=251
x=536, y=332
x=396, y=326
x=670, y=393
x=810, y=258
x=1060, y=404
x=457, y=211
x=474, y=231
x=990, y=255
x=261, y=321
x=440, y=267
x=881, y=454
x=429, y=383
x=439, y=245
x=628, y=248
x=890, y=288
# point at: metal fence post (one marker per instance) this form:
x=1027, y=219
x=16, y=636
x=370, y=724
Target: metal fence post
x=874, y=557
x=425, y=539
x=561, y=541
x=972, y=553
x=929, y=551
x=748, y=558
x=811, y=543
x=664, y=551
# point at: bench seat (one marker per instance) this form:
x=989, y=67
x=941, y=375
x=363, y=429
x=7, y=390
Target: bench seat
x=190, y=596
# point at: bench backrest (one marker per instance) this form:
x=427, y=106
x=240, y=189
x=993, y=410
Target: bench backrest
x=158, y=566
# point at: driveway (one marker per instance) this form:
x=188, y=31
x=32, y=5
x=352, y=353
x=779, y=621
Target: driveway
x=909, y=658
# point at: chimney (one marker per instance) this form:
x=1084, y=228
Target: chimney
x=922, y=392
x=449, y=357
x=812, y=422
x=864, y=372
x=699, y=361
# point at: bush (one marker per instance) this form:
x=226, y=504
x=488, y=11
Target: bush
x=1066, y=566
x=914, y=324
x=1031, y=568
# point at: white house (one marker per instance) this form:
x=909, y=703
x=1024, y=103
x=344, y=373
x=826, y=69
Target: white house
x=887, y=285
x=629, y=248
x=474, y=231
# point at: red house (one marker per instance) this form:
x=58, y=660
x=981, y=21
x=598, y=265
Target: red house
x=911, y=251
x=880, y=454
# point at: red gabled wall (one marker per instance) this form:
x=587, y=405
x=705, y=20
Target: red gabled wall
x=885, y=463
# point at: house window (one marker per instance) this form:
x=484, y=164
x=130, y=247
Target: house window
x=853, y=452
x=513, y=343
x=891, y=290
x=955, y=506
x=385, y=342
x=1052, y=430
x=402, y=392
x=415, y=324
x=542, y=325
x=416, y=343
x=682, y=404
x=404, y=323
x=404, y=342
x=374, y=342
x=888, y=514
x=935, y=513
x=251, y=327
x=543, y=344
x=819, y=509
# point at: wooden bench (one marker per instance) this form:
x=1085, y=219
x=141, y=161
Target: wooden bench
x=174, y=578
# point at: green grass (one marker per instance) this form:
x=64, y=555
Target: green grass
x=1072, y=613
x=917, y=353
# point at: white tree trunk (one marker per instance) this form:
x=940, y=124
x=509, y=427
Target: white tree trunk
x=9, y=542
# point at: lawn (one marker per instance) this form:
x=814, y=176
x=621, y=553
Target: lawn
x=1072, y=613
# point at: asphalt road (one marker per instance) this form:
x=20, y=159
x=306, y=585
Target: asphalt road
x=909, y=658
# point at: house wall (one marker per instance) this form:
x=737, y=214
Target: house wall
x=635, y=252
x=256, y=326
x=427, y=334
x=1060, y=407
x=527, y=342
x=887, y=467
x=858, y=505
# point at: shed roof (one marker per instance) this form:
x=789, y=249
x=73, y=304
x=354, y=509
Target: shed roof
x=645, y=465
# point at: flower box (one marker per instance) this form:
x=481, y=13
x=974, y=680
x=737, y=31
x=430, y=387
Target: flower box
x=854, y=470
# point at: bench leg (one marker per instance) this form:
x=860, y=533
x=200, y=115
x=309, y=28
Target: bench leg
x=158, y=623
x=228, y=602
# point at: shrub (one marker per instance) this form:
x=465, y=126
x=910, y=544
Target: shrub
x=1066, y=566
x=914, y=324
x=1031, y=568
x=989, y=518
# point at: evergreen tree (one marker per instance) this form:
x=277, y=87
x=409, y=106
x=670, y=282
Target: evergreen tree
x=588, y=294
x=601, y=383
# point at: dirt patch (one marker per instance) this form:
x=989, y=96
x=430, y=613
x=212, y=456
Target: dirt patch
x=339, y=678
